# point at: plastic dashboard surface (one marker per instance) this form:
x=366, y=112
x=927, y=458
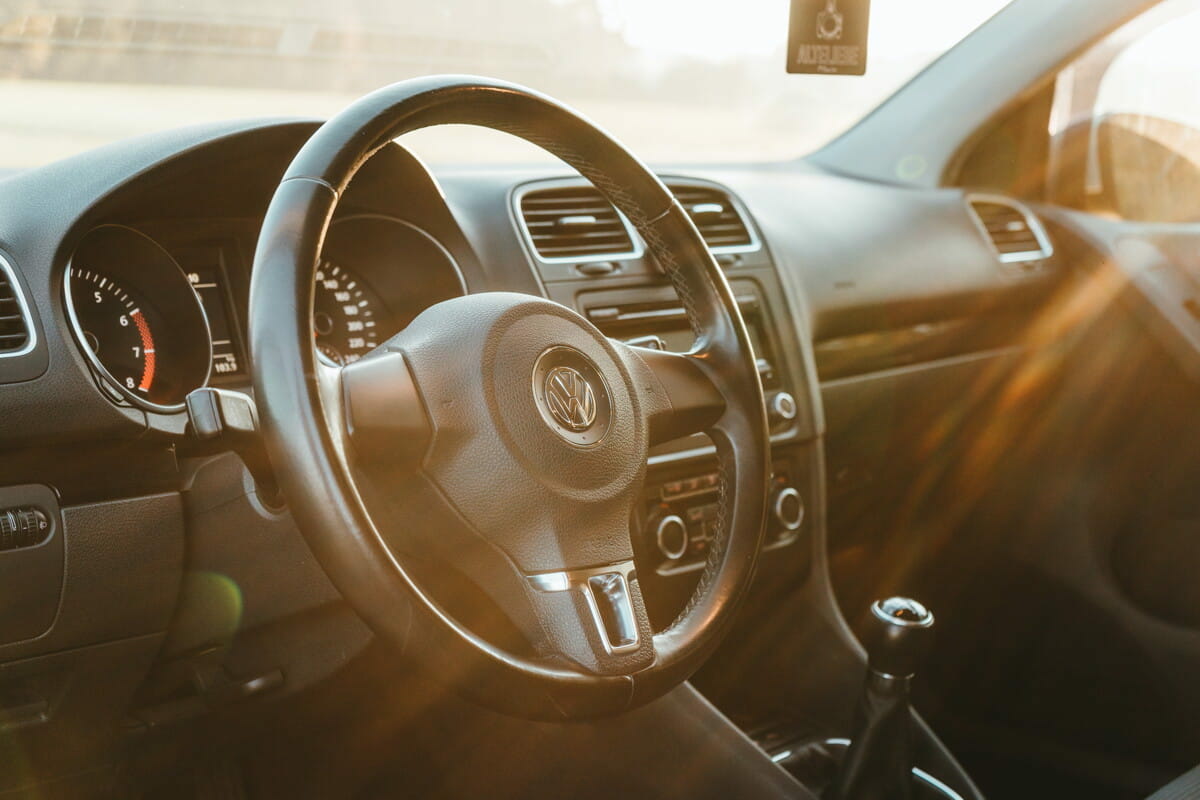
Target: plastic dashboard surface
x=833, y=253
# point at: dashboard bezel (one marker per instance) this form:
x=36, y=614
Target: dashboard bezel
x=101, y=372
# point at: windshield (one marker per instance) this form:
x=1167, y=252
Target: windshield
x=674, y=80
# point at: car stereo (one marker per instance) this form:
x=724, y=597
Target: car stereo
x=680, y=514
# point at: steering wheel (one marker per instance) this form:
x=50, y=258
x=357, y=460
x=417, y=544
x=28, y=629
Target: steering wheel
x=504, y=434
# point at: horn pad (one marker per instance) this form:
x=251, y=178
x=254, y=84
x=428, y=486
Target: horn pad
x=539, y=435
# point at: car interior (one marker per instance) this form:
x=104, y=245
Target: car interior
x=856, y=469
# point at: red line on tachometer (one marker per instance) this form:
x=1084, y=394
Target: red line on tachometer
x=147, y=351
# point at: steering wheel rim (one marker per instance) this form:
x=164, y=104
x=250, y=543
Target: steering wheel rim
x=320, y=425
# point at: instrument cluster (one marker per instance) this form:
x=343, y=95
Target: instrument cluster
x=154, y=328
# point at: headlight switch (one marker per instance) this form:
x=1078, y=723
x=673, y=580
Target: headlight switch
x=25, y=526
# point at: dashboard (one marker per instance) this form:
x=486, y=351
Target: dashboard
x=129, y=269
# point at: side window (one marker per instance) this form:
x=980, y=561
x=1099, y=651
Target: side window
x=1125, y=123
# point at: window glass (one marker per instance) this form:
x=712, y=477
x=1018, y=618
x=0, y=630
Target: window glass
x=675, y=80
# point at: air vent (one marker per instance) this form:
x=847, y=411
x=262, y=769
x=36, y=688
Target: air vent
x=1015, y=234
x=16, y=337
x=717, y=218
x=575, y=223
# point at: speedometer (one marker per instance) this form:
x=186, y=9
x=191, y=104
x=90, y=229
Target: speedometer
x=375, y=275
x=348, y=316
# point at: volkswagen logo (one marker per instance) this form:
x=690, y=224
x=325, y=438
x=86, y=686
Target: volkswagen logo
x=570, y=398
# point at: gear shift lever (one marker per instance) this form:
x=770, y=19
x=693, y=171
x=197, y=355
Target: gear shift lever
x=879, y=762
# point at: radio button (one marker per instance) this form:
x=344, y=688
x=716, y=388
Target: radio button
x=671, y=535
x=672, y=488
x=788, y=509
x=783, y=408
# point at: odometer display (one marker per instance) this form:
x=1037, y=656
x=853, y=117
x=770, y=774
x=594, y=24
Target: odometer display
x=347, y=315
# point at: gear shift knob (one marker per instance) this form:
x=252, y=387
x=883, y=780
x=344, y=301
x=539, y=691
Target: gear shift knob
x=899, y=637
x=878, y=764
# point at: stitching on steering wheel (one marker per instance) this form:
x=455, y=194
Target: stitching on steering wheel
x=666, y=257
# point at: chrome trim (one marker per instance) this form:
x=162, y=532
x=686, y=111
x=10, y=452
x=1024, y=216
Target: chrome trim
x=570, y=398
x=709, y=450
x=551, y=582
x=23, y=306
x=568, y=580
x=747, y=304
x=1035, y=227
x=678, y=553
x=917, y=772
x=639, y=249
x=777, y=508
x=681, y=455
x=601, y=415
x=779, y=402
x=935, y=784
x=923, y=616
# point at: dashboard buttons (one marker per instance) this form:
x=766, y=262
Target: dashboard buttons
x=782, y=408
x=23, y=527
x=694, y=485
x=683, y=516
x=671, y=535
x=788, y=508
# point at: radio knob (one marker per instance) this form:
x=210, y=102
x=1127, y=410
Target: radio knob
x=671, y=535
x=783, y=408
x=788, y=508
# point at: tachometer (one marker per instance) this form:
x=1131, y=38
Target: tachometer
x=348, y=316
x=116, y=329
x=137, y=318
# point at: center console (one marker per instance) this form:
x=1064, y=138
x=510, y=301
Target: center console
x=679, y=509
x=628, y=298
x=679, y=513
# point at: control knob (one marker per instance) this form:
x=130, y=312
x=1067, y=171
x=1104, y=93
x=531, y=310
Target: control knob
x=782, y=408
x=671, y=535
x=788, y=508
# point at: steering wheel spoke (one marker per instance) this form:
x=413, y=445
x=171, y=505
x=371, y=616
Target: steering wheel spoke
x=595, y=617
x=382, y=412
x=678, y=396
